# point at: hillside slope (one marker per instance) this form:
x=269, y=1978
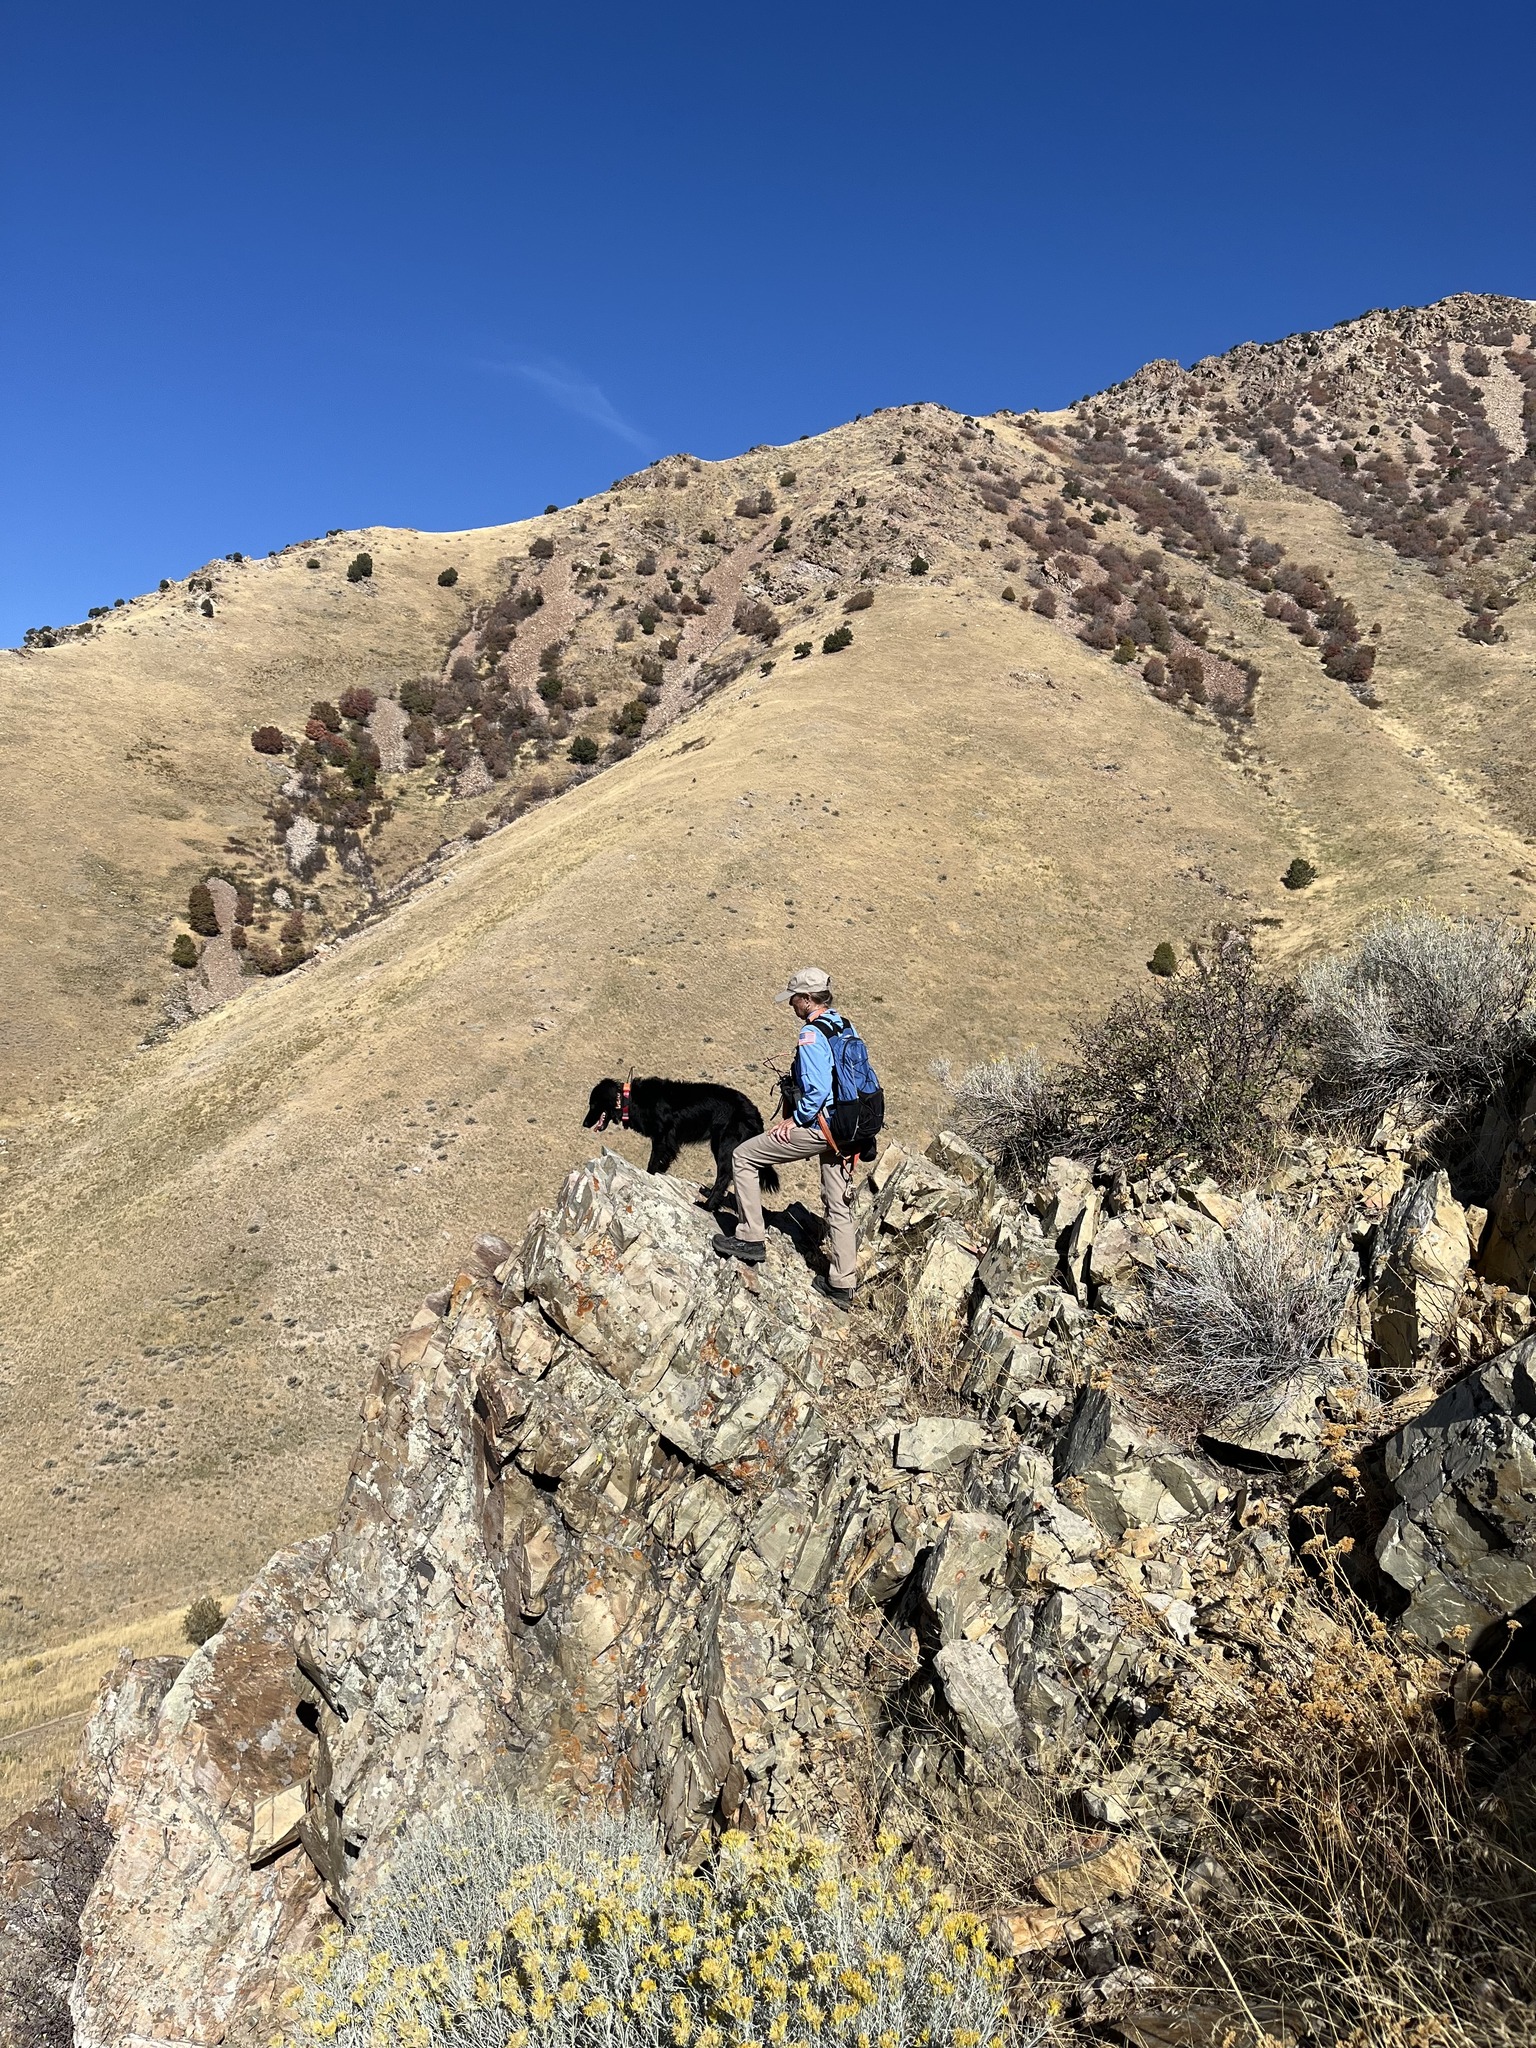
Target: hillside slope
x=980, y=820
x=127, y=768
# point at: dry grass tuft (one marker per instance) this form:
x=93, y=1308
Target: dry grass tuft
x=1359, y=1881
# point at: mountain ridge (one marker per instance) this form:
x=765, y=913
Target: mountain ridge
x=982, y=819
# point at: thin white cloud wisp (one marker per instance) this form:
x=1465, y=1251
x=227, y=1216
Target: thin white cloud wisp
x=576, y=394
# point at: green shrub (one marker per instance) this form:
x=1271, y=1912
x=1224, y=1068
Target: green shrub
x=183, y=950
x=802, y=649
x=582, y=750
x=165, y=584
x=201, y=915
x=551, y=687
x=506, y=1925
x=629, y=718
x=1164, y=960
x=313, y=562
x=324, y=712
x=202, y=1620
x=1010, y=595
x=707, y=538
x=1300, y=874
x=787, y=480
x=360, y=568
x=917, y=566
x=837, y=640
x=476, y=831
x=542, y=549
x=448, y=578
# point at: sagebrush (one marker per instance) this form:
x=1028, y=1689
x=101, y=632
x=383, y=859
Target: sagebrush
x=505, y=1927
x=1245, y=1308
x=1425, y=1014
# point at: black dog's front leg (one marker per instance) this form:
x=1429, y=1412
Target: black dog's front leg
x=663, y=1152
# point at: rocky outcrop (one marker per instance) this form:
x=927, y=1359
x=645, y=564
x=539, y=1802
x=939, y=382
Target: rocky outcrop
x=194, y=1910
x=1418, y=1269
x=51, y=1858
x=1461, y=1538
x=634, y=1525
x=1509, y=1257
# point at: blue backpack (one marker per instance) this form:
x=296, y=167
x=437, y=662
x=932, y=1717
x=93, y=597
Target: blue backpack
x=857, y=1114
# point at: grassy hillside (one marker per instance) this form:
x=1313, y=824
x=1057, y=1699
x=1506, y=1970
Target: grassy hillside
x=979, y=822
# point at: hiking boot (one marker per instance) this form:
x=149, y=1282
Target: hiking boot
x=840, y=1297
x=750, y=1250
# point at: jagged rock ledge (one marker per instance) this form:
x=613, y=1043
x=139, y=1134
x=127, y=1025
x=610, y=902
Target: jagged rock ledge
x=630, y=1524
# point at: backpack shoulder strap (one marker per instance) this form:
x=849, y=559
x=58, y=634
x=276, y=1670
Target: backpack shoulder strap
x=829, y=1032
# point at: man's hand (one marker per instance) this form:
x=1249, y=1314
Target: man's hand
x=782, y=1129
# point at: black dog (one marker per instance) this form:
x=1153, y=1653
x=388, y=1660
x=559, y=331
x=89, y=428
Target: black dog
x=677, y=1113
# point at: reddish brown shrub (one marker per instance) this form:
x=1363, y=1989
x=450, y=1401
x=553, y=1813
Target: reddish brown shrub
x=357, y=703
x=756, y=619
x=326, y=714
x=268, y=739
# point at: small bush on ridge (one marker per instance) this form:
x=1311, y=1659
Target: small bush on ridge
x=447, y=578
x=1014, y=1109
x=360, y=568
x=202, y=1620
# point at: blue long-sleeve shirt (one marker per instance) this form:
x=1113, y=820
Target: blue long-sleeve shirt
x=812, y=1070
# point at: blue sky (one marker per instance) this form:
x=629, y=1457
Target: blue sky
x=272, y=270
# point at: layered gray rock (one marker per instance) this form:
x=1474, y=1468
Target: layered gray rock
x=51, y=1857
x=1461, y=1539
x=633, y=1525
x=1509, y=1256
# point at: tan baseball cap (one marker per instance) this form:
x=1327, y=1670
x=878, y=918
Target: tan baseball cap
x=810, y=981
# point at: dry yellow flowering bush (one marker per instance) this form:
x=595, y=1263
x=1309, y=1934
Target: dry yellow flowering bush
x=508, y=1929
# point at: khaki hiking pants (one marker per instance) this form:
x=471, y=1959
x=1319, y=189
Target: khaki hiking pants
x=747, y=1163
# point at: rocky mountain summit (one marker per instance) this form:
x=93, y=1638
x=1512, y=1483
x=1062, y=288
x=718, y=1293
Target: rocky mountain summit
x=631, y=1526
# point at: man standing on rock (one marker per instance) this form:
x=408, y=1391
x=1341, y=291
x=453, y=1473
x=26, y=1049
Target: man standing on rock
x=804, y=1134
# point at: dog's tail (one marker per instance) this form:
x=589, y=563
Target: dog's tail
x=769, y=1178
